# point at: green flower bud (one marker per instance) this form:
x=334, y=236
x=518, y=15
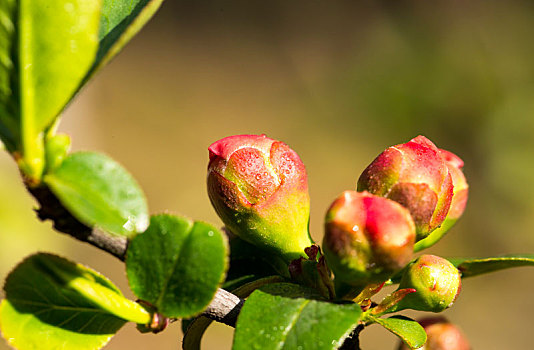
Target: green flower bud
x=415, y=175
x=259, y=188
x=437, y=283
x=367, y=238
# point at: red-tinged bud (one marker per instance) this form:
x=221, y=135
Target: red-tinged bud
x=461, y=188
x=415, y=175
x=259, y=188
x=367, y=238
x=459, y=200
x=441, y=335
x=437, y=283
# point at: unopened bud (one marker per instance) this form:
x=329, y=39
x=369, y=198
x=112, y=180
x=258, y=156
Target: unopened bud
x=459, y=200
x=437, y=283
x=415, y=175
x=367, y=238
x=259, y=188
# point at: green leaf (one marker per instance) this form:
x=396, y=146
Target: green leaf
x=57, y=45
x=411, y=332
x=194, y=329
x=177, y=265
x=120, y=21
x=9, y=110
x=52, y=303
x=278, y=317
x=470, y=267
x=97, y=191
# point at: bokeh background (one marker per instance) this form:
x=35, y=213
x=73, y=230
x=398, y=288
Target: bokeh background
x=338, y=81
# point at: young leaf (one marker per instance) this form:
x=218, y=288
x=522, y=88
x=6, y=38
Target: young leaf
x=476, y=266
x=58, y=41
x=119, y=22
x=280, y=317
x=177, y=265
x=52, y=303
x=405, y=328
x=97, y=191
x=390, y=301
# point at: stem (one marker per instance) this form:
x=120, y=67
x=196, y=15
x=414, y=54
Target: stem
x=352, y=342
x=224, y=307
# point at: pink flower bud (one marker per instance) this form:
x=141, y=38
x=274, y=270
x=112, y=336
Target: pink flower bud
x=459, y=200
x=259, y=188
x=437, y=283
x=367, y=238
x=441, y=335
x=461, y=188
x=415, y=175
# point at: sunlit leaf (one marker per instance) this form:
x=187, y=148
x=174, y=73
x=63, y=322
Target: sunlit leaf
x=9, y=112
x=281, y=316
x=119, y=22
x=194, y=329
x=99, y=192
x=52, y=303
x=411, y=332
x=177, y=265
x=58, y=42
x=470, y=267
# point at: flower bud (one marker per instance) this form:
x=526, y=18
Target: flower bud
x=441, y=335
x=367, y=238
x=259, y=188
x=415, y=175
x=459, y=200
x=461, y=188
x=437, y=283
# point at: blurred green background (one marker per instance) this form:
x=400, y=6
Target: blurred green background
x=338, y=81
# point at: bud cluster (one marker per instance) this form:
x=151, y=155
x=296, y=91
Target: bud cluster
x=258, y=186
x=408, y=192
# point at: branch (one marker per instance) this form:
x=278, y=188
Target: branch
x=224, y=307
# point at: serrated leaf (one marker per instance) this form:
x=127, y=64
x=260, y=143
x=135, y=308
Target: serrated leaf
x=177, y=265
x=470, y=267
x=271, y=319
x=411, y=332
x=194, y=329
x=58, y=42
x=44, y=308
x=98, y=191
x=120, y=21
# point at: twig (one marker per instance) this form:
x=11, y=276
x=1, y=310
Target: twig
x=352, y=342
x=224, y=307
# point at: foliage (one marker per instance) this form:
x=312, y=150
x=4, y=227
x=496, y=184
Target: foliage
x=176, y=266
